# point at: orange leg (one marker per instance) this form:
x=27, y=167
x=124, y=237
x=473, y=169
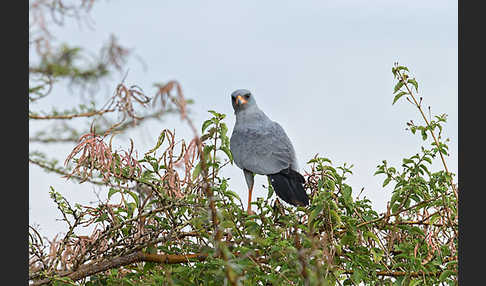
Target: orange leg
x=249, y=182
x=249, y=200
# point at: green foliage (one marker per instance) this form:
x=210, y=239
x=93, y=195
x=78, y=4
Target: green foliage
x=339, y=237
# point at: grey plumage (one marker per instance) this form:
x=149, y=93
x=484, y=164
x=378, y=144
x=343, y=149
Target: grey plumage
x=261, y=146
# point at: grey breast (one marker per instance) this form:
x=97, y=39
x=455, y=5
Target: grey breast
x=262, y=147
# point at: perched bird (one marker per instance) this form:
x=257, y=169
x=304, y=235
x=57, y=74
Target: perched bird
x=261, y=146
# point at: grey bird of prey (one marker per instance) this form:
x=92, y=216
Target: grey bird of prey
x=261, y=146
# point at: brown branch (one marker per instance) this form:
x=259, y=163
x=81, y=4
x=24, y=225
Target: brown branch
x=60, y=172
x=397, y=213
x=424, y=223
x=122, y=127
x=87, y=114
x=54, y=140
x=137, y=122
x=138, y=256
x=93, y=268
x=400, y=273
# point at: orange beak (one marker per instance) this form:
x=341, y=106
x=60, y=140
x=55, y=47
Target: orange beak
x=240, y=100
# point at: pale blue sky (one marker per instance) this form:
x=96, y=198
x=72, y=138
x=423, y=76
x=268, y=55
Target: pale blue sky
x=322, y=69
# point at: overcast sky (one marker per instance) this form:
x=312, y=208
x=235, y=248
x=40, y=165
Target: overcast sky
x=322, y=69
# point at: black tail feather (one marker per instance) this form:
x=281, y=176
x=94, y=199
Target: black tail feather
x=288, y=185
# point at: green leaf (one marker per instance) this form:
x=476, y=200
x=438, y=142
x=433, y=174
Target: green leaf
x=378, y=172
x=348, y=239
x=326, y=160
x=215, y=114
x=414, y=82
x=417, y=230
x=377, y=255
x=336, y=218
x=130, y=208
x=205, y=125
x=407, y=161
x=224, y=129
x=402, y=68
x=381, y=170
x=358, y=275
x=227, y=224
x=400, y=94
x=270, y=190
x=369, y=234
x=196, y=171
x=387, y=180
x=424, y=134
x=424, y=168
x=347, y=193
x=228, y=153
x=112, y=192
x=434, y=218
x=398, y=86
x=443, y=276
x=252, y=226
x=415, y=282
x=160, y=140
x=230, y=193
x=317, y=210
x=135, y=197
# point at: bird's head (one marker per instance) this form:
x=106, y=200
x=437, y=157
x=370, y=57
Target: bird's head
x=242, y=99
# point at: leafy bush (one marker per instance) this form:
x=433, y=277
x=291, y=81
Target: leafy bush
x=179, y=219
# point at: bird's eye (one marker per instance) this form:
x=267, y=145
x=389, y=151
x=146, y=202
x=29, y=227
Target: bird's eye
x=247, y=95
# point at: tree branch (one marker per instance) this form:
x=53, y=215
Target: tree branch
x=93, y=268
x=419, y=106
x=63, y=173
x=87, y=114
